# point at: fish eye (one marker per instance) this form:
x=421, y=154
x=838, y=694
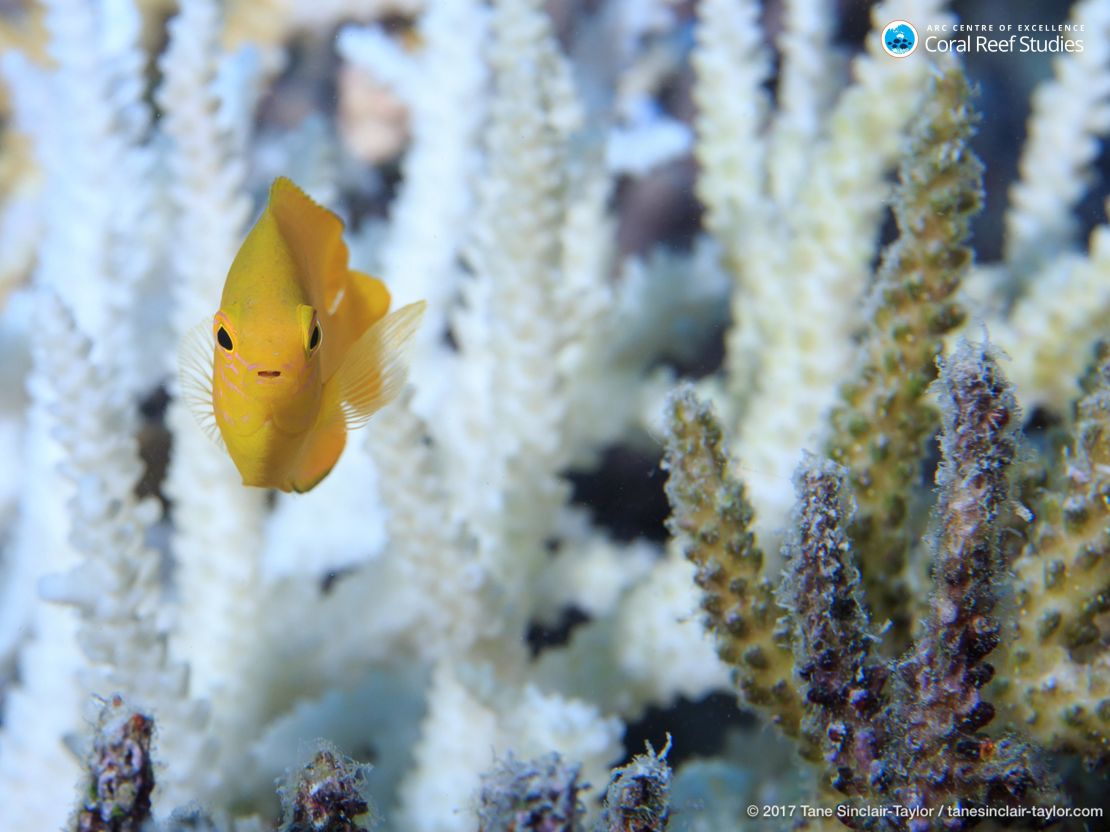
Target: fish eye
x=224, y=339
x=314, y=341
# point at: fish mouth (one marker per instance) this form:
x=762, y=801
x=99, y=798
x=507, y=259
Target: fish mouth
x=269, y=373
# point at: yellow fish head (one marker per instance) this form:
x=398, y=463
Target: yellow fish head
x=267, y=367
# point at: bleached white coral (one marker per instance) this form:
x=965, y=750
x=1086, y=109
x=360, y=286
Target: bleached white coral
x=1070, y=115
x=1063, y=298
x=446, y=99
x=117, y=587
x=99, y=231
x=800, y=264
x=591, y=571
x=805, y=90
x=37, y=773
x=21, y=220
x=98, y=189
x=218, y=523
x=659, y=627
x=637, y=149
x=466, y=730
x=732, y=66
x=375, y=52
x=309, y=535
x=1068, y=303
x=506, y=426
x=439, y=597
x=447, y=761
x=650, y=649
x=88, y=145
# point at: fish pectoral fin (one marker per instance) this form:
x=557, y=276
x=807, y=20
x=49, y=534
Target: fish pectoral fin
x=376, y=365
x=194, y=374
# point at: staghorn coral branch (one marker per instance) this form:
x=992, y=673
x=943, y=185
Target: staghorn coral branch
x=821, y=588
x=541, y=794
x=508, y=419
x=217, y=522
x=1053, y=326
x=100, y=193
x=805, y=88
x=121, y=772
x=116, y=589
x=732, y=65
x=1070, y=114
x=428, y=563
x=711, y=515
x=800, y=268
x=879, y=427
x=940, y=756
x=88, y=121
x=1089, y=480
x=1065, y=307
x=428, y=227
x=1058, y=682
x=504, y=437
x=326, y=795
x=638, y=797
x=978, y=446
x=908, y=733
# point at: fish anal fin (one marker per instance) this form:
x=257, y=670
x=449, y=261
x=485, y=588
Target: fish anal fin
x=376, y=365
x=194, y=373
x=319, y=454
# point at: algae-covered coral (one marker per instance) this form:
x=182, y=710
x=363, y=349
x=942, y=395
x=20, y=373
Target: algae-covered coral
x=482, y=601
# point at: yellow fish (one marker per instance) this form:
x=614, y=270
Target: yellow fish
x=300, y=351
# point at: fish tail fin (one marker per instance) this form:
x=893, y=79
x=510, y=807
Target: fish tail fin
x=372, y=295
x=194, y=374
x=361, y=302
x=376, y=366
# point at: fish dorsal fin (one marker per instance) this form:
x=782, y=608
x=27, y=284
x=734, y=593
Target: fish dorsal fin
x=194, y=373
x=376, y=366
x=314, y=235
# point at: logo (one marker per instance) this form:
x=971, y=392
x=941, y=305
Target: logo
x=899, y=39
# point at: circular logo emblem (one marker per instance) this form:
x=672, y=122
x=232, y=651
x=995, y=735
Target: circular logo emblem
x=899, y=38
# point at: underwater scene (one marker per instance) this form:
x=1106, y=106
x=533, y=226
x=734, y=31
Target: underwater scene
x=554, y=415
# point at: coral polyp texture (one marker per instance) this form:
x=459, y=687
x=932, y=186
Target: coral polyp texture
x=325, y=795
x=121, y=772
x=869, y=585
